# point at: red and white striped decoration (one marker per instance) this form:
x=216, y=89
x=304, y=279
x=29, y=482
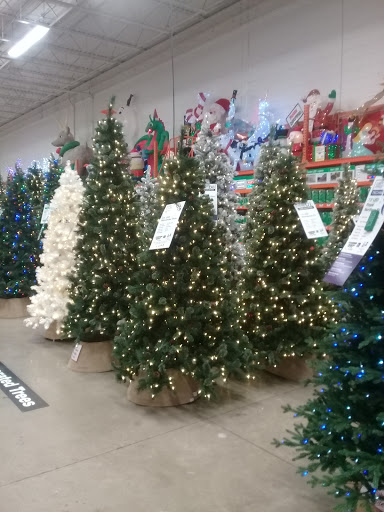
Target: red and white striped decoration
x=194, y=115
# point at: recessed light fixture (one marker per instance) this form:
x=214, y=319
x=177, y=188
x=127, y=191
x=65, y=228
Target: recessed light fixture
x=31, y=38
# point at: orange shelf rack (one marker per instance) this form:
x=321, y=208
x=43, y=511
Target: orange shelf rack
x=323, y=206
x=245, y=173
x=334, y=185
x=355, y=160
x=244, y=191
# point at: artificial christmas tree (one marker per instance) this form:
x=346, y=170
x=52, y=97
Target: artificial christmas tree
x=49, y=305
x=19, y=245
x=346, y=207
x=343, y=431
x=283, y=306
x=52, y=177
x=217, y=169
x=107, y=248
x=34, y=184
x=147, y=193
x=269, y=156
x=182, y=320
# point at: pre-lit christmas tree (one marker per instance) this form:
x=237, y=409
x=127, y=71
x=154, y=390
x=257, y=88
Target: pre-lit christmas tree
x=264, y=167
x=283, y=307
x=34, y=184
x=217, y=169
x=107, y=248
x=19, y=245
x=341, y=440
x=263, y=125
x=183, y=317
x=147, y=194
x=58, y=258
x=52, y=176
x=346, y=207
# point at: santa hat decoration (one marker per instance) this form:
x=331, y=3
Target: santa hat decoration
x=224, y=104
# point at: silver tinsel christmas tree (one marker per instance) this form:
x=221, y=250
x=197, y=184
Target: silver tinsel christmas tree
x=217, y=170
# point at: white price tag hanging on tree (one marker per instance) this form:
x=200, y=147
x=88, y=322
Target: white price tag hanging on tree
x=211, y=191
x=166, y=226
x=44, y=218
x=46, y=214
x=76, y=352
x=310, y=219
x=364, y=233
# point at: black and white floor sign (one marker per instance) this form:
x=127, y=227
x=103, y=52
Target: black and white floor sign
x=167, y=226
x=19, y=393
x=310, y=219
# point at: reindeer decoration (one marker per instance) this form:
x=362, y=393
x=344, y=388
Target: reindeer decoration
x=70, y=149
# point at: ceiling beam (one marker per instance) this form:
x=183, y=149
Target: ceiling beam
x=184, y=7
x=42, y=94
x=8, y=98
x=105, y=14
x=15, y=72
x=105, y=39
x=48, y=88
x=48, y=63
x=80, y=53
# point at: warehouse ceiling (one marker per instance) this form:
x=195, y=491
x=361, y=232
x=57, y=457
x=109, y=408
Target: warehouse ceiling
x=86, y=38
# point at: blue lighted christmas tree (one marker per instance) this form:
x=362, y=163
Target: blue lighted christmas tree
x=343, y=431
x=19, y=245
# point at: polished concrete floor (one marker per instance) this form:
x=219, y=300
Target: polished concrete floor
x=92, y=451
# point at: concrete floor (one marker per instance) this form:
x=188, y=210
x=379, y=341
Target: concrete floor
x=92, y=451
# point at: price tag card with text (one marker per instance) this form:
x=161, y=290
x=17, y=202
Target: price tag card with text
x=76, y=352
x=310, y=219
x=46, y=214
x=211, y=191
x=365, y=231
x=166, y=226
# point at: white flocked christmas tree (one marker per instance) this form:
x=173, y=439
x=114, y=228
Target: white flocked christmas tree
x=218, y=170
x=147, y=193
x=58, y=259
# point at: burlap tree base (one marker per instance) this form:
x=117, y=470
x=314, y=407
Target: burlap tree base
x=186, y=391
x=91, y=357
x=293, y=368
x=14, y=308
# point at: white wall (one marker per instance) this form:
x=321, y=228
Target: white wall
x=301, y=45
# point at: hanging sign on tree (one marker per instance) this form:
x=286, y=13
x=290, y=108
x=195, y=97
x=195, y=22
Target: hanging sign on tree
x=211, y=192
x=310, y=219
x=46, y=214
x=365, y=231
x=166, y=226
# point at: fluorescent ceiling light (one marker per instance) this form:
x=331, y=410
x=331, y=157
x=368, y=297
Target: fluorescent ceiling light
x=28, y=40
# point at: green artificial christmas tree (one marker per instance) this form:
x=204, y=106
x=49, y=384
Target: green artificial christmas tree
x=183, y=316
x=341, y=440
x=52, y=176
x=108, y=241
x=19, y=245
x=346, y=207
x=34, y=184
x=218, y=171
x=264, y=167
x=283, y=306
